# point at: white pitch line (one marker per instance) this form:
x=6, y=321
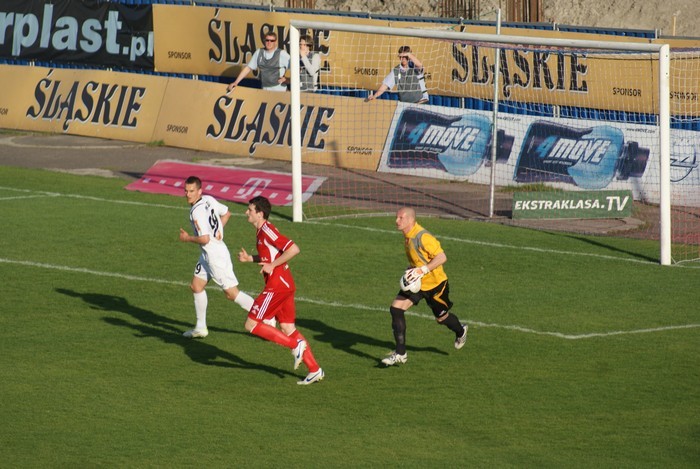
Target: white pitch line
x=31, y=191
x=380, y=230
x=509, y=327
x=589, y=335
x=500, y=245
x=98, y=273
x=335, y=304
x=9, y=141
x=19, y=197
x=94, y=199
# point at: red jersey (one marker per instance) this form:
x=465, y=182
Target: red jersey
x=271, y=244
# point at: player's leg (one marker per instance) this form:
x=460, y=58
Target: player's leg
x=198, y=284
x=308, y=356
x=264, y=307
x=287, y=318
x=440, y=304
x=222, y=273
x=398, y=308
x=242, y=299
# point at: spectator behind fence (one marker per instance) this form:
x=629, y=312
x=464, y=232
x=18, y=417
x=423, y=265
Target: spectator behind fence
x=309, y=66
x=407, y=77
x=272, y=63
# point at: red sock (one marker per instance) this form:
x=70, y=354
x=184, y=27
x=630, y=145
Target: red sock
x=273, y=335
x=308, y=357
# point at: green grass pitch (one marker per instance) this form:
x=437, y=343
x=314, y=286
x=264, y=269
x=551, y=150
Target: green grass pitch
x=583, y=351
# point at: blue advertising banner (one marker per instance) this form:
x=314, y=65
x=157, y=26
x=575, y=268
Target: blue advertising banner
x=569, y=154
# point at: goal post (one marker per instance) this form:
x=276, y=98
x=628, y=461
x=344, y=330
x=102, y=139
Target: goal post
x=295, y=100
x=349, y=91
x=664, y=155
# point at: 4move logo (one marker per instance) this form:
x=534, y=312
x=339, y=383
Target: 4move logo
x=591, y=151
x=457, y=144
x=77, y=31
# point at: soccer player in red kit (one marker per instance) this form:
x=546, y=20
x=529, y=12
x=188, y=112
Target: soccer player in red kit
x=277, y=299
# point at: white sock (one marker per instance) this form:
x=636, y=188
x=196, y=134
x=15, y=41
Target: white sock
x=200, y=309
x=244, y=300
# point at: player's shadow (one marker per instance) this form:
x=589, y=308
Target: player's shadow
x=348, y=341
x=168, y=331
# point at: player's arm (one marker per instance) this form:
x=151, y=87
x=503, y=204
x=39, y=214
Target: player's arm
x=419, y=272
x=436, y=262
x=225, y=217
x=289, y=252
x=437, y=256
x=243, y=256
x=185, y=237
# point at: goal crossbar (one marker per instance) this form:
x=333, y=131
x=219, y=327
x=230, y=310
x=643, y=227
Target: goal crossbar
x=663, y=51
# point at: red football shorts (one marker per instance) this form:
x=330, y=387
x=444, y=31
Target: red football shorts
x=274, y=304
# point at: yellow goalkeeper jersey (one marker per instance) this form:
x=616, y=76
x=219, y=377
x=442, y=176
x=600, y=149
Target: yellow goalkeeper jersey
x=421, y=247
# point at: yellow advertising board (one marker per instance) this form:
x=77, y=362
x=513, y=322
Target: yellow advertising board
x=193, y=114
x=18, y=83
x=220, y=41
x=93, y=103
x=588, y=79
x=257, y=123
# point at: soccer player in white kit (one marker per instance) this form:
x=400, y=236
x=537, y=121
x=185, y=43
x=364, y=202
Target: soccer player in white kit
x=208, y=218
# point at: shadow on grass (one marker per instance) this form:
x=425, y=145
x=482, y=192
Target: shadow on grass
x=595, y=242
x=346, y=341
x=611, y=248
x=169, y=331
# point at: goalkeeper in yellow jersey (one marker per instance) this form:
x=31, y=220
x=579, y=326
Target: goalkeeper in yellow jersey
x=428, y=279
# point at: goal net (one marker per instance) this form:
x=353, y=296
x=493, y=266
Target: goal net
x=589, y=137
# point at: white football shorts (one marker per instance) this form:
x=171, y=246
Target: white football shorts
x=220, y=270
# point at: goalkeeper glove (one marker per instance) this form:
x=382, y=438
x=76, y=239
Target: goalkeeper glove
x=417, y=273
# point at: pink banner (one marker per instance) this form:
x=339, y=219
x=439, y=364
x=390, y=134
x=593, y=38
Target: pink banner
x=225, y=183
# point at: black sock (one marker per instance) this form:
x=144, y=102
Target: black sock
x=398, y=324
x=453, y=324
